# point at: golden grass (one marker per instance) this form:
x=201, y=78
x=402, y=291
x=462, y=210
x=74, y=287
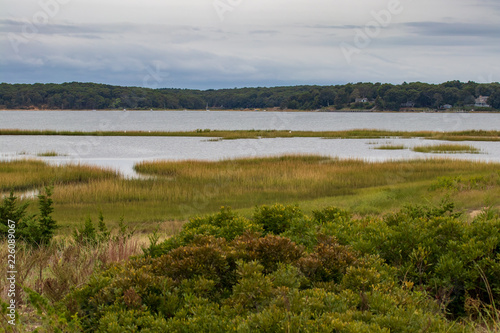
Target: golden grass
x=447, y=149
x=21, y=175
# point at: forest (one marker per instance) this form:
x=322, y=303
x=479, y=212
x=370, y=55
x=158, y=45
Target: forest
x=451, y=95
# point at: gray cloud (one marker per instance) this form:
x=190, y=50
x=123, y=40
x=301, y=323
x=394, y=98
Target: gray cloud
x=185, y=44
x=439, y=29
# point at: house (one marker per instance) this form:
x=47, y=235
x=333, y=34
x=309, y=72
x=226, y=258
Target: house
x=362, y=100
x=447, y=106
x=408, y=105
x=482, y=101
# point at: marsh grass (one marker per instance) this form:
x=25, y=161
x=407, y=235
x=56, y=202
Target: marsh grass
x=390, y=147
x=20, y=175
x=472, y=135
x=49, y=153
x=177, y=190
x=447, y=149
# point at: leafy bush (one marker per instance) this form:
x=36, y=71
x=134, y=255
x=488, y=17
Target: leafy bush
x=404, y=272
x=225, y=224
x=276, y=219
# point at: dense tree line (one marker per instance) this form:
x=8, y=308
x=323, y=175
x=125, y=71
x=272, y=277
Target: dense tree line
x=81, y=96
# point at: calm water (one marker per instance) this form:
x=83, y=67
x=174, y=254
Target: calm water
x=122, y=152
x=233, y=120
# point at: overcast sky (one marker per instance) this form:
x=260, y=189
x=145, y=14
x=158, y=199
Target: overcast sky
x=206, y=44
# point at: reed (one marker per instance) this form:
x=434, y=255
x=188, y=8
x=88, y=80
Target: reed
x=20, y=175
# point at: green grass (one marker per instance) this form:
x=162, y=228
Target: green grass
x=390, y=147
x=255, y=134
x=447, y=149
x=50, y=153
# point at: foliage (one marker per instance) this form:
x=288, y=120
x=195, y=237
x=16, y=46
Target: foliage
x=276, y=219
x=87, y=96
x=404, y=272
x=34, y=229
x=88, y=234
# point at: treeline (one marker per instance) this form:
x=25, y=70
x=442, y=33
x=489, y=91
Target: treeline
x=81, y=96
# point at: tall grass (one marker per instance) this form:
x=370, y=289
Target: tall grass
x=177, y=190
x=54, y=270
x=19, y=175
x=447, y=149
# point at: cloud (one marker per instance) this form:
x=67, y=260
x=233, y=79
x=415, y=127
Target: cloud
x=185, y=44
x=439, y=29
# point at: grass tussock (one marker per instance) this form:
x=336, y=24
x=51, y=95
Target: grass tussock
x=50, y=153
x=447, y=149
x=390, y=147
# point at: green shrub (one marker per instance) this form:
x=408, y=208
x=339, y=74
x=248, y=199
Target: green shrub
x=131, y=321
x=225, y=224
x=276, y=219
x=331, y=214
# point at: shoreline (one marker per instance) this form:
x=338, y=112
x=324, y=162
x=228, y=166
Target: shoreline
x=258, y=110
x=472, y=135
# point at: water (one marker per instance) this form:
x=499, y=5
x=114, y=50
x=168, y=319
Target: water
x=122, y=152
x=234, y=120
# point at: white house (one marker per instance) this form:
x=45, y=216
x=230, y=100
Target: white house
x=482, y=101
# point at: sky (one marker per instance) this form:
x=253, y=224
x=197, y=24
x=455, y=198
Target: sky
x=212, y=44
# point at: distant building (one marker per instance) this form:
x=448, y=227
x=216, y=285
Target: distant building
x=482, y=101
x=362, y=100
x=447, y=106
x=408, y=105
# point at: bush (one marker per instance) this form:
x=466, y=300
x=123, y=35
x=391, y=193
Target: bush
x=276, y=219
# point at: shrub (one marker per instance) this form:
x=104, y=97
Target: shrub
x=328, y=262
x=225, y=224
x=276, y=219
